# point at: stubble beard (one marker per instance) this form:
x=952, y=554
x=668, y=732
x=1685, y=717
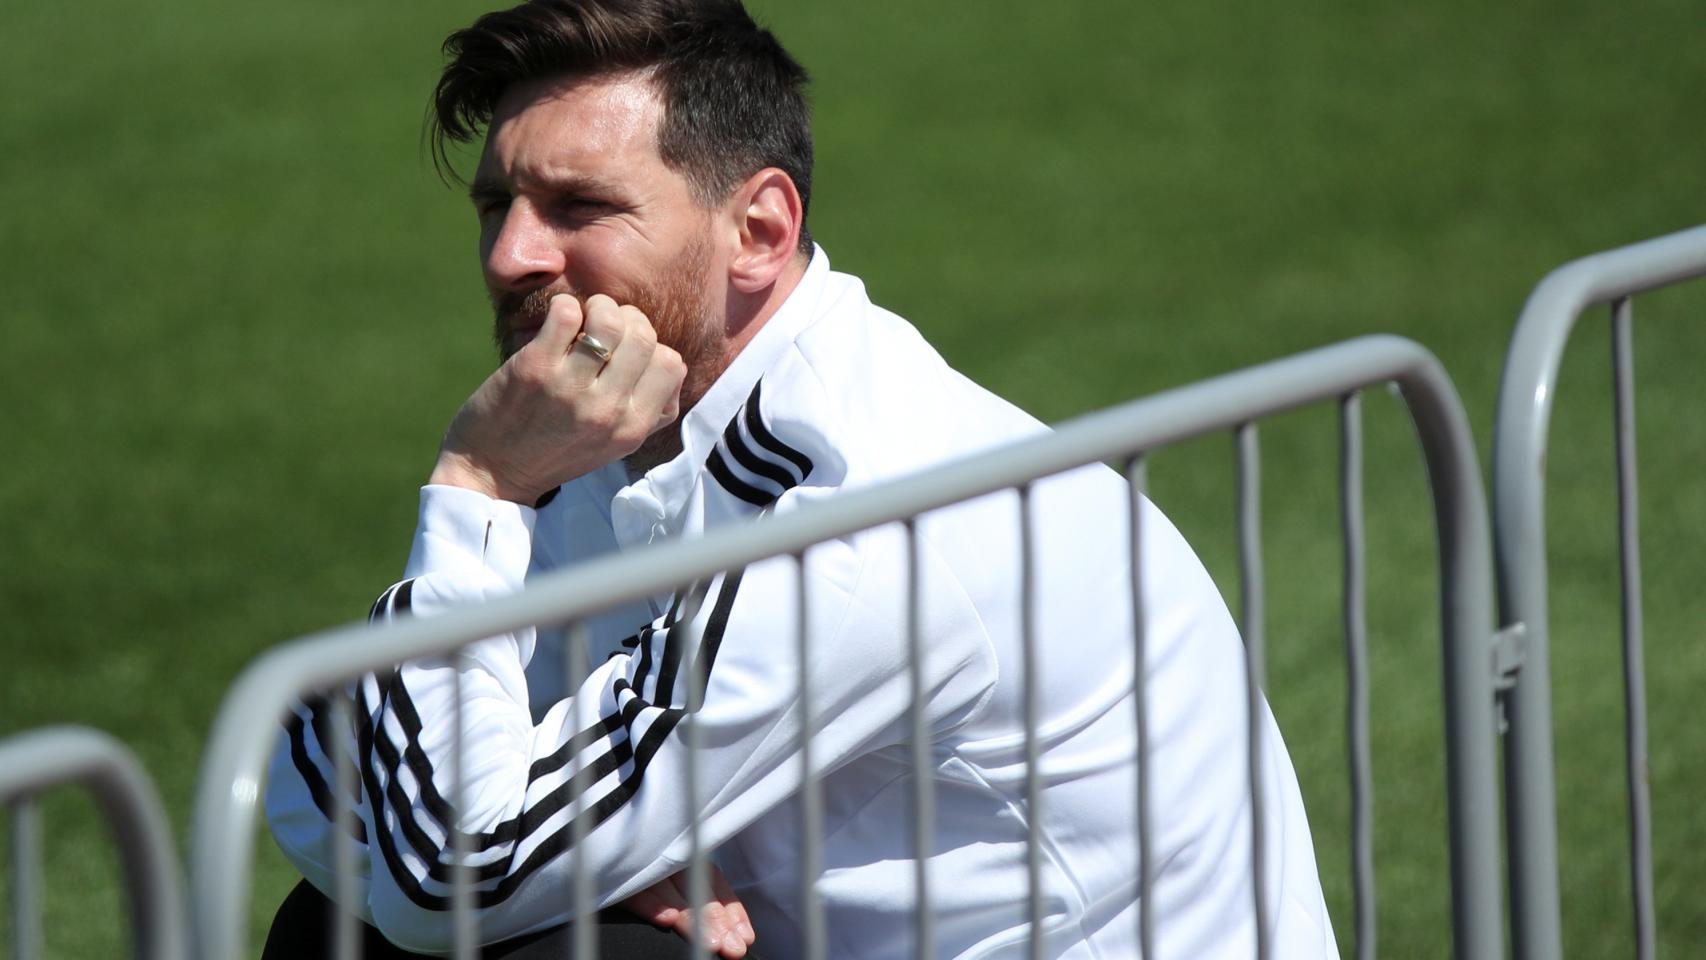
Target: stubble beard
x=680, y=310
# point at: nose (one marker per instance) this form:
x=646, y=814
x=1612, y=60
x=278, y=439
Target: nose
x=524, y=253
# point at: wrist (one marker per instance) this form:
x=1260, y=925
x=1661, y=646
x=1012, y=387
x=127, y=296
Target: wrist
x=455, y=470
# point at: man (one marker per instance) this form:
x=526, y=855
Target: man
x=679, y=356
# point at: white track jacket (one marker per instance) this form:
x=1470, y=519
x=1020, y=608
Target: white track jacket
x=832, y=394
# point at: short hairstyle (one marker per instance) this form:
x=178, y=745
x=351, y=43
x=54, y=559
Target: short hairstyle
x=734, y=100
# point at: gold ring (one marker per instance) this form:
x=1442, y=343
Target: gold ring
x=594, y=347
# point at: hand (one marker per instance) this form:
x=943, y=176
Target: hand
x=726, y=925
x=554, y=412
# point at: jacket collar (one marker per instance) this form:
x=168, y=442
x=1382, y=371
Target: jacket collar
x=652, y=506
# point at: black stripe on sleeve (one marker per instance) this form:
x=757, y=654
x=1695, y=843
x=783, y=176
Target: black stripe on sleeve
x=318, y=789
x=762, y=436
x=393, y=792
x=401, y=706
x=405, y=596
x=715, y=626
x=599, y=812
x=726, y=478
x=405, y=879
x=320, y=718
x=435, y=803
x=396, y=699
x=380, y=605
x=393, y=603
x=434, y=854
x=663, y=694
x=752, y=461
x=521, y=828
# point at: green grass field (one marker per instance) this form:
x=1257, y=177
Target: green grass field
x=239, y=309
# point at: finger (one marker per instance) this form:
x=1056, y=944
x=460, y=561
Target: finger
x=715, y=926
x=657, y=393
x=715, y=929
x=628, y=361
x=603, y=323
x=739, y=921
x=661, y=909
x=663, y=903
x=563, y=323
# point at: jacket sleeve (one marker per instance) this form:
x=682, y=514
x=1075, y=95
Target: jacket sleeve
x=729, y=645
x=303, y=799
x=475, y=548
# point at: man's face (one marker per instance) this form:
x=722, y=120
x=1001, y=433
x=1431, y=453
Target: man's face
x=574, y=198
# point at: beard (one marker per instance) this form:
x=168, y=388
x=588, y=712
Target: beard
x=679, y=307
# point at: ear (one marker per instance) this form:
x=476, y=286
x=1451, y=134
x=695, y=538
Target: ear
x=766, y=214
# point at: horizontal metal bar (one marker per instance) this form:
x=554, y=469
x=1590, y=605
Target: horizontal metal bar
x=222, y=850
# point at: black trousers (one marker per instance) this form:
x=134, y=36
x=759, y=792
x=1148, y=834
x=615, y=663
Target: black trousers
x=302, y=928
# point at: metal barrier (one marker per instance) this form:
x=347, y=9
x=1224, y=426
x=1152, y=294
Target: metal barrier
x=1519, y=507
x=32, y=763
x=243, y=734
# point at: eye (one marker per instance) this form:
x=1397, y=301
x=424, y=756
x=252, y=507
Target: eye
x=488, y=197
x=491, y=207
x=582, y=208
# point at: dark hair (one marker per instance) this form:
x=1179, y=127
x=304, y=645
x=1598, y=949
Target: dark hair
x=734, y=100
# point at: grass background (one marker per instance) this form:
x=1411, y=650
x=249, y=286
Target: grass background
x=238, y=309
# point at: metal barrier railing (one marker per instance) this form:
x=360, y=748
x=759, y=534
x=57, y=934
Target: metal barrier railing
x=41, y=760
x=222, y=850
x=1526, y=394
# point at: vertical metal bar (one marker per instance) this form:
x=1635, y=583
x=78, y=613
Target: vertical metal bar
x=463, y=935
x=814, y=939
x=1356, y=670
x=1250, y=593
x=1634, y=670
x=698, y=881
x=1032, y=712
x=346, y=945
x=575, y=665
x=1137, y=477
x=923, y=759
x=26, y=873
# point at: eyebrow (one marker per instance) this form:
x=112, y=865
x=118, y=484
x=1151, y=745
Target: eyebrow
x=485, y=188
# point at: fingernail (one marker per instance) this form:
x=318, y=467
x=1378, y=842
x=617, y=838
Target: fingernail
x=746, y=932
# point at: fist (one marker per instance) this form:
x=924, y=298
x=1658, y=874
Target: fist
x=557, y=410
